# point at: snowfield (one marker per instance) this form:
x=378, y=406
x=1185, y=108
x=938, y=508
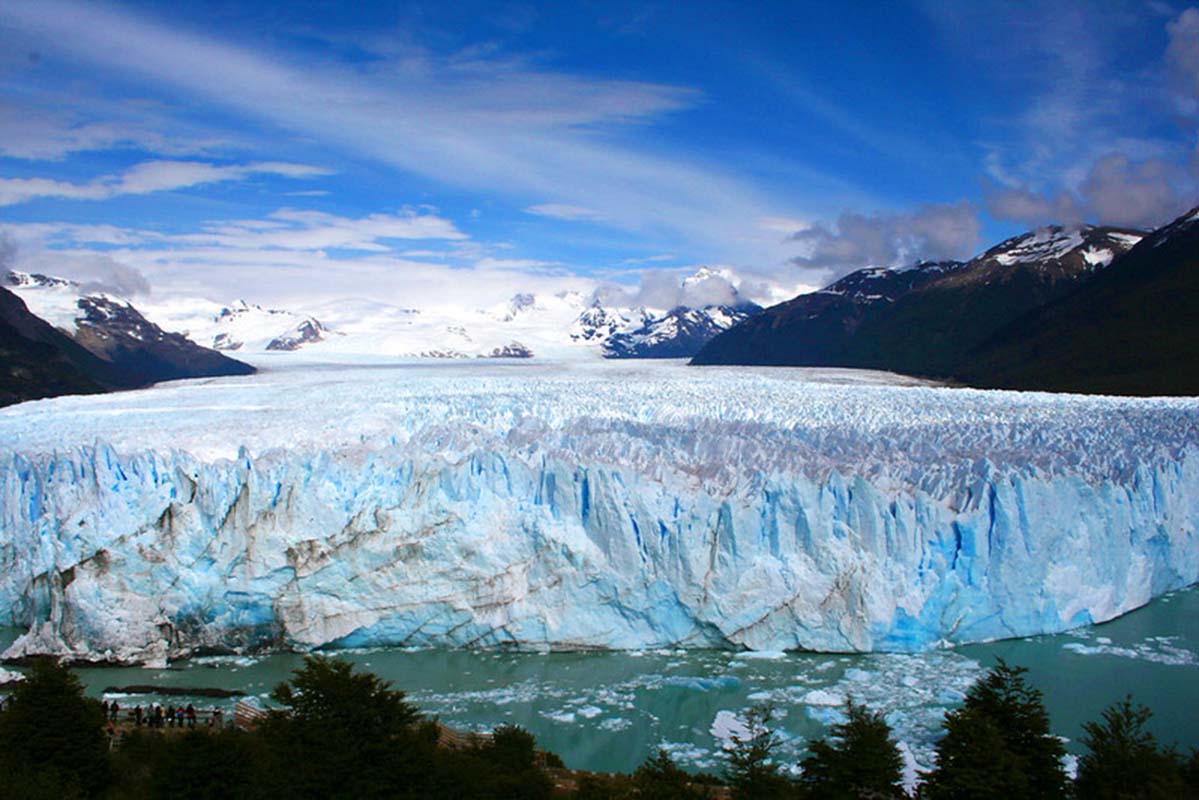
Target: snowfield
x=588, y=505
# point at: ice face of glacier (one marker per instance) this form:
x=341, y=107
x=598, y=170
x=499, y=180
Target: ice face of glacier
x=590, y=507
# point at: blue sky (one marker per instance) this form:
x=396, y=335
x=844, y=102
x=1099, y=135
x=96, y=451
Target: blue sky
x=428, y=150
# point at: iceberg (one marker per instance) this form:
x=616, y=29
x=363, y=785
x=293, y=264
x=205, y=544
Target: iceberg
x=584, y=506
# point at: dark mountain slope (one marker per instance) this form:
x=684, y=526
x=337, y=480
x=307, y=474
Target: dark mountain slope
x=931, y=331
x=817, y=329
x=1132, y=329
x=142, y=353
x=37, y=360
x=922, y=321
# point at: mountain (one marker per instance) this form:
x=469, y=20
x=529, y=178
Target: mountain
x=132, y=351
x=597, y=323
x=928, y=319
x=817, y=329
x=39, y=360
x=679, y=333
x=1132, y=329
x=245, y=325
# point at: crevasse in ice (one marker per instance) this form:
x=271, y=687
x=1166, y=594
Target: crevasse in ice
x=584, y=508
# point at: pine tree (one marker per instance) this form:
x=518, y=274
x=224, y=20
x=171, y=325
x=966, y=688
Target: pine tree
x=347, y=734
x=998, y=744
x=860, y=758
x=659, y=778
x=52, y=737
x=1124, y=760
x=750, y=772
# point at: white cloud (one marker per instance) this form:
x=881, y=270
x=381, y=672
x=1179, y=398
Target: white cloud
x=651, y=259
x=662, y=289
x=477, y=122
x=146, y=178
x=931, y=232
x=35, y=134
x=292, y=229
x=564, y=211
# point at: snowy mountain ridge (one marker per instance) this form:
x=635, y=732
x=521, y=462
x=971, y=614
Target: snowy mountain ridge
x=563, y=325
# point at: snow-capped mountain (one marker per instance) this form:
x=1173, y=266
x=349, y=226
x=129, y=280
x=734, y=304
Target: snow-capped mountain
x=566, y=325
x=1130, y=329
x=37, y=360
x=927, y=319
x=135, y=350
x=712, y=305
x=1054, y=251
x=249, y=327
x=597, y=324
x=679, y=333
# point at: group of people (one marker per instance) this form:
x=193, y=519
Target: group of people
x=158, y=717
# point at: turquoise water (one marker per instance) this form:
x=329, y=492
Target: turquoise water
x=608, y=711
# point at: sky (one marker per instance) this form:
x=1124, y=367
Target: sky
x=440, y=153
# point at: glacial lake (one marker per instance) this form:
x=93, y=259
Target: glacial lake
x=609, y=711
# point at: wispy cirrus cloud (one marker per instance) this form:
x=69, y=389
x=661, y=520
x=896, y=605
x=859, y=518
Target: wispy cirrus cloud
x=32, y=133
x=565, y=212
x=477, y=121
x=292, y=229
x=146, y=178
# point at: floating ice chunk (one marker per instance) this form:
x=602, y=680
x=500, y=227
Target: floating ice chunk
x=824, y=697
x=726, y=727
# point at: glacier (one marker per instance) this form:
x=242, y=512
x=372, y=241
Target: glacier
x=589, y=505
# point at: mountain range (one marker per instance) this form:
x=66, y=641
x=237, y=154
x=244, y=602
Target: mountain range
x=123, y=346
x=84, y=342
x=1090, y=309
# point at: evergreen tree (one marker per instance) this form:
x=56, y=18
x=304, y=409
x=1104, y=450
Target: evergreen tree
x=348, y=734
x=659, y=778
x=52, y=741
x=859, y=759
x=1124, y=760
x=750, y=772
x=202, y=765
x=511, y=771
x=998, y=744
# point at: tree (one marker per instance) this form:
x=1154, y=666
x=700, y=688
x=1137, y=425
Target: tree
x=512, y=772
x=200, y=765
x=659, y=778
x=860, y=758
x=1123, y=760
x=998, y=743
x=345, y=734
x=52, y=737
x=750, y=771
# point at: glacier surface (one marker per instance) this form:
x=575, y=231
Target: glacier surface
x=584, y=506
